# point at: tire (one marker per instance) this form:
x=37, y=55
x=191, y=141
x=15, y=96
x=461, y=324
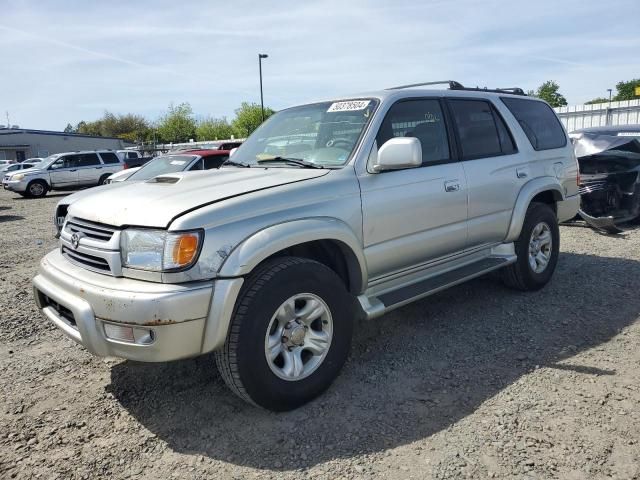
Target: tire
x=521, y=274
x=37, y=189
x=257, y=319
x=103, y=179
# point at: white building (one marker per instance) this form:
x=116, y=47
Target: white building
x=626, y=112
x=20, y=143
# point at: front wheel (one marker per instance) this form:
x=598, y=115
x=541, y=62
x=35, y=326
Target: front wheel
x=37, y=189
x=537, y=249
x=289, y=336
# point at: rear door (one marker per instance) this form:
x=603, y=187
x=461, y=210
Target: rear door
x=493, y=166
x=89, y=169
x=64, y=171
x=415, y=215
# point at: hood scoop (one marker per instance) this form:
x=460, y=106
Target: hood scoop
x=164, y=179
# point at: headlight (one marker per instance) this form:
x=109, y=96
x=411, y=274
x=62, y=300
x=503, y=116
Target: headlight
x=159, y=250
x=18, y=176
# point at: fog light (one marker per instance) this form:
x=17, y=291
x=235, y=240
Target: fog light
x=118, y=332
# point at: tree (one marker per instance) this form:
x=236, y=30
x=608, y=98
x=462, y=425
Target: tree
x=177, y=125
x=214, y=129
x=627, y=90
x=69, y=128
x=131, y=127
x=248, y=118
x=548, y=92
x=597, y=100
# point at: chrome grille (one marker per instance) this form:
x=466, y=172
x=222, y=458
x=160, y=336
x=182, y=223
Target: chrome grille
x=97, y=231
x=88, y=261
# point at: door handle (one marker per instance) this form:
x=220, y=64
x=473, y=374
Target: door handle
x=521, y=173
x=98, y=168
x=72, y=170
x=451, y=186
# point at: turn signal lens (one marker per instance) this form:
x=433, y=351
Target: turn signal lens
x=181, y=249
x=185, y=249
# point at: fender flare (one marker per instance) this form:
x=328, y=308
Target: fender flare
x=528, y=191
x=262, y=244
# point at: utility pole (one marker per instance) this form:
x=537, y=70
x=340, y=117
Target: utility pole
x=260, y=57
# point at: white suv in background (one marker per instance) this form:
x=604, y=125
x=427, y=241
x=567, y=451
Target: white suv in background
x=64, y=171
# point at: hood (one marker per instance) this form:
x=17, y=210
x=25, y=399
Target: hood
x=156, y=202
x=25, y=171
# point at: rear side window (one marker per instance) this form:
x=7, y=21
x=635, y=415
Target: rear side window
x=477, y=129
x=422, y=119
x=109, y=157
x=88, y=160
x=539, y=123
x=132, y=155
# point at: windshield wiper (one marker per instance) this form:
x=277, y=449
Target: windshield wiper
x=292, y=161
x=235, y=164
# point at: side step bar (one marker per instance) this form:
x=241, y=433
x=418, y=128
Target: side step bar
x=377, y=306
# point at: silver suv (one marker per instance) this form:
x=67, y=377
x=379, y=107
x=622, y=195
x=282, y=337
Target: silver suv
x=328, y=212
x=64, y=171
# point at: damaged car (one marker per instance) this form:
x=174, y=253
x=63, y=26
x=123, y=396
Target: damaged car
x=609, y=161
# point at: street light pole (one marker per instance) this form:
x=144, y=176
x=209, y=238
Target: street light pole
x=609, y=90
x=260, y=57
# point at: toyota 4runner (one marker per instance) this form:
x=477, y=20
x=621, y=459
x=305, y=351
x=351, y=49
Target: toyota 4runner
x=328, y=212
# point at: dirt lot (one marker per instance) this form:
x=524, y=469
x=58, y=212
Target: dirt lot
x=476, y=382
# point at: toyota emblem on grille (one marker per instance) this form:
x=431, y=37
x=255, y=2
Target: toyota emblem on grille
x=75, y=240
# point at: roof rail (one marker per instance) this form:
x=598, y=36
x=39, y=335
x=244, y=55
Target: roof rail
x=453, y=85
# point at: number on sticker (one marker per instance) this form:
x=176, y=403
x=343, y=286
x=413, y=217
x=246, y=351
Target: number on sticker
x=350, y=106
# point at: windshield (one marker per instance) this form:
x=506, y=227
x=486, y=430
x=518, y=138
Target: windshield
x=48, y=161
x=324, y=134
x=162, y=165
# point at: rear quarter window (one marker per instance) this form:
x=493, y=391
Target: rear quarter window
x=539, y=123
x=109, y=157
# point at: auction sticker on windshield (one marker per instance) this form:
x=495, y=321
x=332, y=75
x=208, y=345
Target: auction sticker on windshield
x=178, y=162
x=349, y=106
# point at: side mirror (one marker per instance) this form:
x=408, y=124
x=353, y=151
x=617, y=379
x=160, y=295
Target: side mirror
x=232, y=151
x=398, y=153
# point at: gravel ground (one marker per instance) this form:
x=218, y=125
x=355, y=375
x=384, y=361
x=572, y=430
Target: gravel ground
x=476, y=382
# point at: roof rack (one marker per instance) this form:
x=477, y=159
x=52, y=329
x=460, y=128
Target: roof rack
x=453, y=85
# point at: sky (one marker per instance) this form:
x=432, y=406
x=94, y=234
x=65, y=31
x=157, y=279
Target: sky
x=66, y=61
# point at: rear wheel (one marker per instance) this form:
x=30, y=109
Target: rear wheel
x=103, y=179
x=537, y=249
x=289, y=336
x=37, y=189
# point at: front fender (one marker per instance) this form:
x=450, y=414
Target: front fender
x=527, y=193
x=261, y=245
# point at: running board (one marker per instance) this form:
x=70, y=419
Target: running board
x=376, y=306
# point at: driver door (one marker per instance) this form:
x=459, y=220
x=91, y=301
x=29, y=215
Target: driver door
x=64, y=171
x=414, y=216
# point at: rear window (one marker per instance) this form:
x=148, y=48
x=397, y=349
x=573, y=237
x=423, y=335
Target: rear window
x=109, y=157
x=539, y=123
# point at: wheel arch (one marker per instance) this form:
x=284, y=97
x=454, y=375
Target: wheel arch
x=326, y=240
x=544, y=190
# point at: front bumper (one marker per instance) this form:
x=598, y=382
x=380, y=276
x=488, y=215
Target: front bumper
x=15, y=185
x=169, y=321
